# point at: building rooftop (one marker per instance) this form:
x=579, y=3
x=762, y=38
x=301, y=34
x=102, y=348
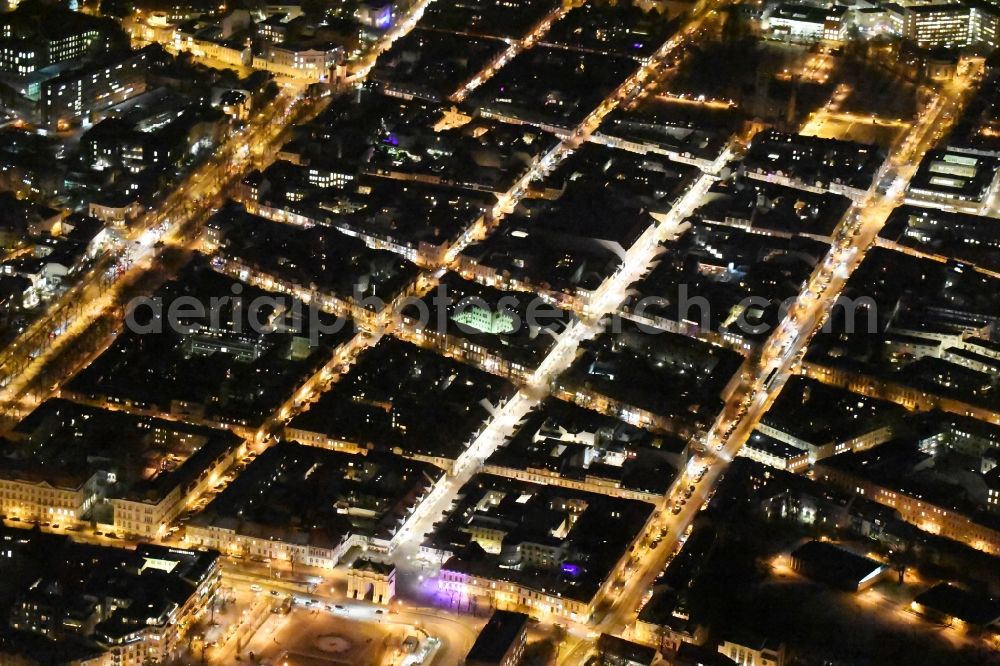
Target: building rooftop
x=953, y=174
x=412, y=214
x=794, y=11
x=623, y=29
x=966, y=238
x=107, y=594
x=511, y=325
x=688, y=130
x=144, y=458
x=676, y=377
x=813, y=160
x=836, y=566
x=939, y=476
x=819, y=414
x=396, y=396
x=494, y=18
x=563, y=541
x=773, y=209
x=771, y=446
x=562, y=240
x=31, y=20
x=893, y=293
x=236, y=371
x=432, y=64
x=552, y=87
x=318, y=497
x=494, y=641
x=578, y=444
x=420, y=142
x=726, y=266
x=689, y=654
x=969, y=607
x=320, y=257
x=619, y=650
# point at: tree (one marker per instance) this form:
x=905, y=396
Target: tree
x=314, y=10
x=116, y=8
x=735, y=27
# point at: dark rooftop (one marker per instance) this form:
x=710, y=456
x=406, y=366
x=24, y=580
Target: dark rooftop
x=834, y=565
x=969, y=607
x=584, y=533
x=397, y=395
x=310, y=495
x=496, y=638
